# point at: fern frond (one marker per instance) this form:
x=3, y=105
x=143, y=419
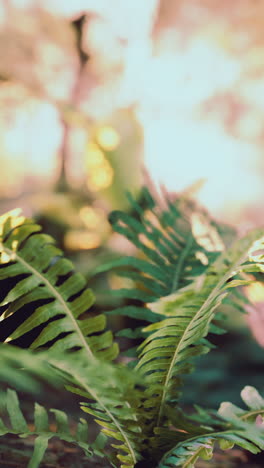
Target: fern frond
x=166, y=354
x=169, y=254
x=43, y=281
x=42, y=428
x=27, y=371
x=113, y=397
x=232, y=425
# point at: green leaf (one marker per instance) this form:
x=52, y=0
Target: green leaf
x=113, y=400
x=167, y=250
x=228, y=427
x=26, y=370
x=44, y=282
x=165, y=354
x=15, y=414
x=42, y=428
x=40, y=447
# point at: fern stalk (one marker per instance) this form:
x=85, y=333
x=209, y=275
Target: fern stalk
x=185, y=334
x=180, y=263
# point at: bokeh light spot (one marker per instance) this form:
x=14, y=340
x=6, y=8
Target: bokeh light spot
x=100, y=177
x=107, y=138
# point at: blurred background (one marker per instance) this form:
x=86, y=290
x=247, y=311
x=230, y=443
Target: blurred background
x=94, y=93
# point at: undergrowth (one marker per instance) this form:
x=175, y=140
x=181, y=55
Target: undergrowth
x=185, y=267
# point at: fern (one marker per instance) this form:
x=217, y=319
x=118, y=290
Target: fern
x=114, y=397
x=166, y=353
x=42, y=428
x=27, y=371
x=180, y=278
x=170, y=255
x=232, y=425
x=114, y=400
x=40, y=274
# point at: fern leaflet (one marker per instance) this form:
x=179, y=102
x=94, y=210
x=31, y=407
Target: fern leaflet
x=113, y=401
x=45, y=281
x=232, y=425
x=166, y=353
x=42, y=428
x=112, y=394
x=167, y=249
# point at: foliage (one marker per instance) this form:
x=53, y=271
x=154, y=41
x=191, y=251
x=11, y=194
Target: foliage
x=42, y=427
x=216, y=427
x=180, y=277
x=45, y=277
